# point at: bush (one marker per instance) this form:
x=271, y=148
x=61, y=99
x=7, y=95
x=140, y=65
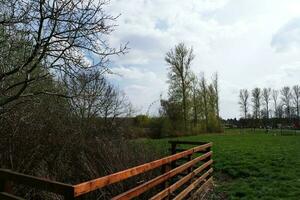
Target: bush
x=142, y=121
x=41, y=138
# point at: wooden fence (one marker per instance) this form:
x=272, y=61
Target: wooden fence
x=190, y=169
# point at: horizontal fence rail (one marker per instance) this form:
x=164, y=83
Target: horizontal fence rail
x=189, y=167
x=8, y=176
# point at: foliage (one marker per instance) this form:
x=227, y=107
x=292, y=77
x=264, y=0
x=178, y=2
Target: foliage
x=142, y=120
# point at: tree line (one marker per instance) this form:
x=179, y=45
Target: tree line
x=192, y=105
x=267, y=103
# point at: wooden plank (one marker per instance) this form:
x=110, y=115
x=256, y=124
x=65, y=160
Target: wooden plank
x=98, y=183
x=182, y=181
x=160, y=179
x=173, y=151
x=187, y=190
x=39, y=183
x=182, y=149
x=204, y=186
x=166, y=168
x=6, y=196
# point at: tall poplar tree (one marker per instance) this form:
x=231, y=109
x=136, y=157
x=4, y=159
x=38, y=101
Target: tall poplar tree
x=179, y=60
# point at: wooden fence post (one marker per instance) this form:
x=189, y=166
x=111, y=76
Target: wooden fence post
x=208, y=150
x=173, y=151
x=167, y=167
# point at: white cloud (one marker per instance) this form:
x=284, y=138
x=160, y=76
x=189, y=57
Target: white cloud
x=285, y=75
x=288, y=37
x=236, y=38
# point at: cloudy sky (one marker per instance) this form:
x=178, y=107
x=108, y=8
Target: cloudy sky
x=248, y=42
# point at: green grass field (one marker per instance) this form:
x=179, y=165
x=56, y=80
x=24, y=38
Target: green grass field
x=252, y=165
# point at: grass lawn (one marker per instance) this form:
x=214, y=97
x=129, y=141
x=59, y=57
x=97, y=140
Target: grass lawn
x=252, y=165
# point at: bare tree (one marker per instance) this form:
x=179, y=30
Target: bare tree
x=244, y=102
x=95, y=98
x=53, y=35
x=280, y=110
x=266, y=94
x=179, y=60
x=275, y=94
x=286, y=97
x=256, y=100
x=296, y=98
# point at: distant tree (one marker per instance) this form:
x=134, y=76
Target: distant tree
x=94, y=97
x=216, y=88
x=212, y=100
x=286, y=97
x=256, y=100
x=212, y=108
x=244, y=102
x=266, y=94
x=280, y=111
x=172, y=111
x=296, y=98
x=275, y=95
x=204, y=98
x=179, y=60
x=195, y=99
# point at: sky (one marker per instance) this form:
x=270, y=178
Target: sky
x=249, y=43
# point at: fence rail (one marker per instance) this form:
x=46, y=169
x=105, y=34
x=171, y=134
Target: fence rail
x=196, y=175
